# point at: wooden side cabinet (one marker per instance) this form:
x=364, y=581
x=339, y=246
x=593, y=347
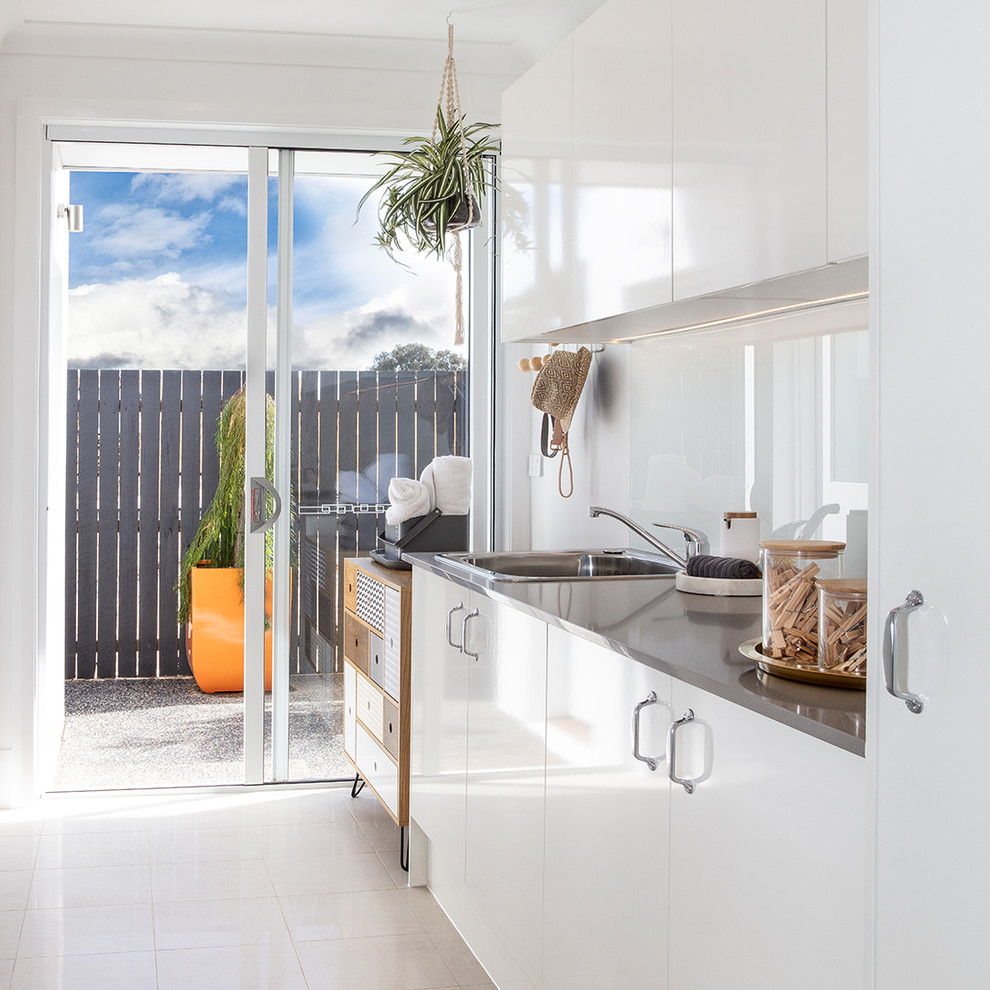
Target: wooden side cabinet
x=377, y=624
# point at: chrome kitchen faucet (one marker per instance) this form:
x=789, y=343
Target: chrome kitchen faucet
x=694, y=542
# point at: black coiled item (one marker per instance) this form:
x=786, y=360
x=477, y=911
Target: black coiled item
x=728, y=568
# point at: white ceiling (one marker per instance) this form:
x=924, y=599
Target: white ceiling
x=528, y=27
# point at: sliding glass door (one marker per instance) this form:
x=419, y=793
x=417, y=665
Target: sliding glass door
x=368, y=386
x=206, y=269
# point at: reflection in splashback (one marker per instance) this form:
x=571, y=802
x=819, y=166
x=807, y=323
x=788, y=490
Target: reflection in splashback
x=744, y=421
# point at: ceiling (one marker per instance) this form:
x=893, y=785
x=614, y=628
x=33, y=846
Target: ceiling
x=527, y=28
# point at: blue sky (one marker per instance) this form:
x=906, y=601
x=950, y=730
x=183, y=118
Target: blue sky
x=157, y=276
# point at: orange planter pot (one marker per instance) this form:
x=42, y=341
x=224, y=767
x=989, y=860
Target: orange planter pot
x=215, y=633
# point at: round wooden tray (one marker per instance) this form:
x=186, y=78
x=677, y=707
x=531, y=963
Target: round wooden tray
x=793, y=671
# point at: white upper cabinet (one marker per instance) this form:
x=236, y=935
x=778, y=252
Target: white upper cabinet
x=848, y=123
x=621, y=248
x=749, y=139
x=670, y=148
x=536, y=196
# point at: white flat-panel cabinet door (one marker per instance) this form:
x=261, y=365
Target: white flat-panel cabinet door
x=929, y=275
x=438, y=754
x=607, y=815
x=536, y=202
x=749, y=141
x=506, y=655
x=848, y=129
x=622, y=159
x=767, y=854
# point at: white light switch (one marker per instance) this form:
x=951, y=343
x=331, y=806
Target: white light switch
x=535, y=466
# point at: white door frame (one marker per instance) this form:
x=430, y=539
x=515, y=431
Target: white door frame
x=23, y=772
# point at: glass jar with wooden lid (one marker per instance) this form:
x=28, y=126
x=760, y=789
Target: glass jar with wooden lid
x=790, y=595
x=842, y=625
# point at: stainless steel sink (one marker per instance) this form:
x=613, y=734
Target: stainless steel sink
x=564, y=565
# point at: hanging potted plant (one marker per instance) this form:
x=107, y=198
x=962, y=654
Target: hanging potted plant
x=211, y=579
x=435, y=189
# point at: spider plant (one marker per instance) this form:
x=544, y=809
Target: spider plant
x=219, y=540
x=427, y=187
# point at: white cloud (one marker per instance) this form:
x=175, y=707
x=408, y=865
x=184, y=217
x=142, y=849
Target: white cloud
x=166, y=322
x=161, y=322
x=128, y=233
x=184, y=187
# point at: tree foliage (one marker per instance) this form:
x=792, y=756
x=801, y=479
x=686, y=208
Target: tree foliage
x=417, y=357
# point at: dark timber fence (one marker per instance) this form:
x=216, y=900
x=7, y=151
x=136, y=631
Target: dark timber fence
x=142, y=466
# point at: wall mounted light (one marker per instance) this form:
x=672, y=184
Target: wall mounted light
x=74, y=215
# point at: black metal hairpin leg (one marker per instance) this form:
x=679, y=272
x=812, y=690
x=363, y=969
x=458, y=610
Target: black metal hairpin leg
x=403, y=848
x=355, y=789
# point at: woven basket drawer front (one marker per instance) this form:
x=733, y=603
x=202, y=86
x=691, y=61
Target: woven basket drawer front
x=369, y=707
x=370, y=603
x=390, y=726
x=356, y=642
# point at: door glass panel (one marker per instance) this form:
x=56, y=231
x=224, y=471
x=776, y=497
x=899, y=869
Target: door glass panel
x=155, y=348
x=377, y=391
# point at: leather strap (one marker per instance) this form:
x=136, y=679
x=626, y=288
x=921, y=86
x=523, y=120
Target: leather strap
x=546, y=449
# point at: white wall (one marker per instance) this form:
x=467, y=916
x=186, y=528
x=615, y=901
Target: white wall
x=599, y=441
x=34, y=88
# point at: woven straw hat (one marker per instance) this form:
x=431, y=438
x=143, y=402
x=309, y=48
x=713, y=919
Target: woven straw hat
x=558, y=385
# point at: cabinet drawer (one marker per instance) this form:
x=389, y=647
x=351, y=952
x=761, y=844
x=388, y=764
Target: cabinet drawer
x=375, y=658
x=378, y=770
x=356, y=642
x=350, y=586
x=369, y=707
x=392, y=641
x=369, y=602
x=390, y=726
x=350, y=677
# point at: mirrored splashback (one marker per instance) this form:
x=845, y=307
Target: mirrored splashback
x=760, y=419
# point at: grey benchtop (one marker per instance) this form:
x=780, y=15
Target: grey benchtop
x=695, y=638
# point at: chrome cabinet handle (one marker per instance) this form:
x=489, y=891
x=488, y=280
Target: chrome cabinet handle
x=450, y=615
x=650, y=761
x=687, y=784
x=464, y=623
x=915, y=599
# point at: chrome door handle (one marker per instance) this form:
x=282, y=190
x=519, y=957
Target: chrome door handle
x=450, y=615
x=915, y=599
x=260, y=487
x=464, y=623
x=650, y=761
x=686, y=783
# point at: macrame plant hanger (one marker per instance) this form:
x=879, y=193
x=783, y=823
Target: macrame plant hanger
x=450, y=98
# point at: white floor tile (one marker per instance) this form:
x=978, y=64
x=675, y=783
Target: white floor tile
x=6, y=970
x=87, y=930
x=429, y=914
x=312, y=839
x=74, y=850
x=215, y=923
x=133, y=970
x=329, y=874
x=91, y=885
x=14, y=888
x=312, y=917
x=249, y=967
x=460, y=960
x=185, y=845
x=10, y=932
x=18, y=852
x=211, y=880
x=401, y=962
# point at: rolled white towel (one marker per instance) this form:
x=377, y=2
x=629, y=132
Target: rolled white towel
x=407, y=498
x=448, y=480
